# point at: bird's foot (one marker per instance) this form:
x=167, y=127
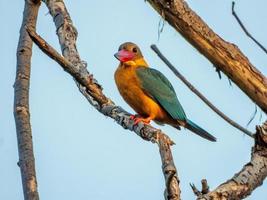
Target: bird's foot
x=137, y=118
x=144, y=120
x=132, y=117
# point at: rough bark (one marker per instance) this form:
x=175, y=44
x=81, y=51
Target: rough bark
x=72, y=63
x=250, y=177
x=224, y=55
x=21, y=102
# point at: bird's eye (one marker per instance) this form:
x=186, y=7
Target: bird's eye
x=135, y=50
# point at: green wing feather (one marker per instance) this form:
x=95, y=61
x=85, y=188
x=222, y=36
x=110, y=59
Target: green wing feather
x=156, y=85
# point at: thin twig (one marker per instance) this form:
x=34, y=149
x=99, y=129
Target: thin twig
x=253, y=115
x=244, y=28
x=195, y=190
x=94, y=95
x=201, y=96
x=204, y=190
x=21, y=102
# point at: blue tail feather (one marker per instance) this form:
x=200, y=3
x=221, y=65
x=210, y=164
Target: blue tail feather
x=199, y=131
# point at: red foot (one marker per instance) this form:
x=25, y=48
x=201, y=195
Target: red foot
x=138, y=118
x=132, y=117
x=144, y=120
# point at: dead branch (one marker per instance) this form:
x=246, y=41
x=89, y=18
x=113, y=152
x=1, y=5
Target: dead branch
x=72, y=63
x=204, y=190
x=199, y=94
x=21, y=102
x=224, y=55
x=245, y=30
x=250, y=177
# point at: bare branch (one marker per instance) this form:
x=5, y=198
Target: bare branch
x=199, y=94
x=205, y=186
x=224, y=55
x=93, y=92
x=195, y=190
x=204, y=190
x=21, y=102
x=245, y=30
x=250, y=177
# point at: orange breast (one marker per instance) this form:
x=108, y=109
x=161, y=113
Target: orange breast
x=129, y=88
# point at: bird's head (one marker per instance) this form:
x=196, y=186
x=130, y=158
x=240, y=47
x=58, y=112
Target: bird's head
x=129, y=54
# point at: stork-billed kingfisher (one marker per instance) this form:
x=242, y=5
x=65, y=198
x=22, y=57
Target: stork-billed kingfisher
x=149, y=92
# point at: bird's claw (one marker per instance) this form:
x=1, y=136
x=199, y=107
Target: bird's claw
x=132, y=117
x=137, y=119
x=146, y=121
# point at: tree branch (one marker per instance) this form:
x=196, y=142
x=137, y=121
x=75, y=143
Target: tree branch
x=21, y=102
x=224, y=55
x=201, y=96
x=95, y=96
x=250, y=177
x=204, y=190
x=244, y=28
x=72, y=63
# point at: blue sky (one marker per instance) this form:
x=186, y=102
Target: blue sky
x=80, y=154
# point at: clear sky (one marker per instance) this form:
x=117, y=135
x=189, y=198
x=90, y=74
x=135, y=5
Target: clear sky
x=80, y=154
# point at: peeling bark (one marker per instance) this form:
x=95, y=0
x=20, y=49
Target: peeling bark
x=224, y=55
x=21, y=102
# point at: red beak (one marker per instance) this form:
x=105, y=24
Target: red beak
x=124, y=55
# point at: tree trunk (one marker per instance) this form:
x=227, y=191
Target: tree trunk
x=21, y=102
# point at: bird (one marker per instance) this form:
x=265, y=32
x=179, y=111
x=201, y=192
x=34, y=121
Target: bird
x=149, y=92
